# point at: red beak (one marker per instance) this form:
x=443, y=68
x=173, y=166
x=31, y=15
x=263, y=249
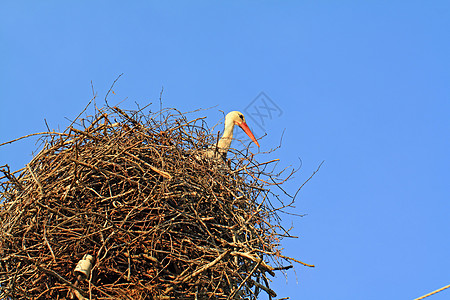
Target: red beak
x=244, y=127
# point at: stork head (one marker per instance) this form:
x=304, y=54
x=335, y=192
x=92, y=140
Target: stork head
x=237, y=118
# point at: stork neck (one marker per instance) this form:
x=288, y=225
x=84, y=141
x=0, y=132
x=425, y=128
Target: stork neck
x=225, y=141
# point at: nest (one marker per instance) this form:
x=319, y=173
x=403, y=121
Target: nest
x=129, y=198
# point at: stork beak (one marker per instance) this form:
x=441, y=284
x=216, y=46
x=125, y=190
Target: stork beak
x=244, y=127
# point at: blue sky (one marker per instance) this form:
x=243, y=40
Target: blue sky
x=363, y=85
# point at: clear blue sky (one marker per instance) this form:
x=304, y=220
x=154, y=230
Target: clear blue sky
x=363, y=85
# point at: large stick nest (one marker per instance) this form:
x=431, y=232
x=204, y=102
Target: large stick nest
x=160, y=221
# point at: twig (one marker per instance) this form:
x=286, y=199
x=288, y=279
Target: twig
x=112, y=85
x=48, y=244
x=245, y=280
x=61, y=279
x=26, y=136
x=198, y=271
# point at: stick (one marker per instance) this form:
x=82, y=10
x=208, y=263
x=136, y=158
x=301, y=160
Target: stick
x=198, y=271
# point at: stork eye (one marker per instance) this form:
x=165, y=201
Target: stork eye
x=242, y=117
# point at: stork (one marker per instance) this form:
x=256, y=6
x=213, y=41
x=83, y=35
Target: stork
x=223, y=145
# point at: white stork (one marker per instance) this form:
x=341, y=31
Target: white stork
x=223, y=145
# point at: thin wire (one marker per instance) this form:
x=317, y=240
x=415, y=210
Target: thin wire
x=434, y=292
